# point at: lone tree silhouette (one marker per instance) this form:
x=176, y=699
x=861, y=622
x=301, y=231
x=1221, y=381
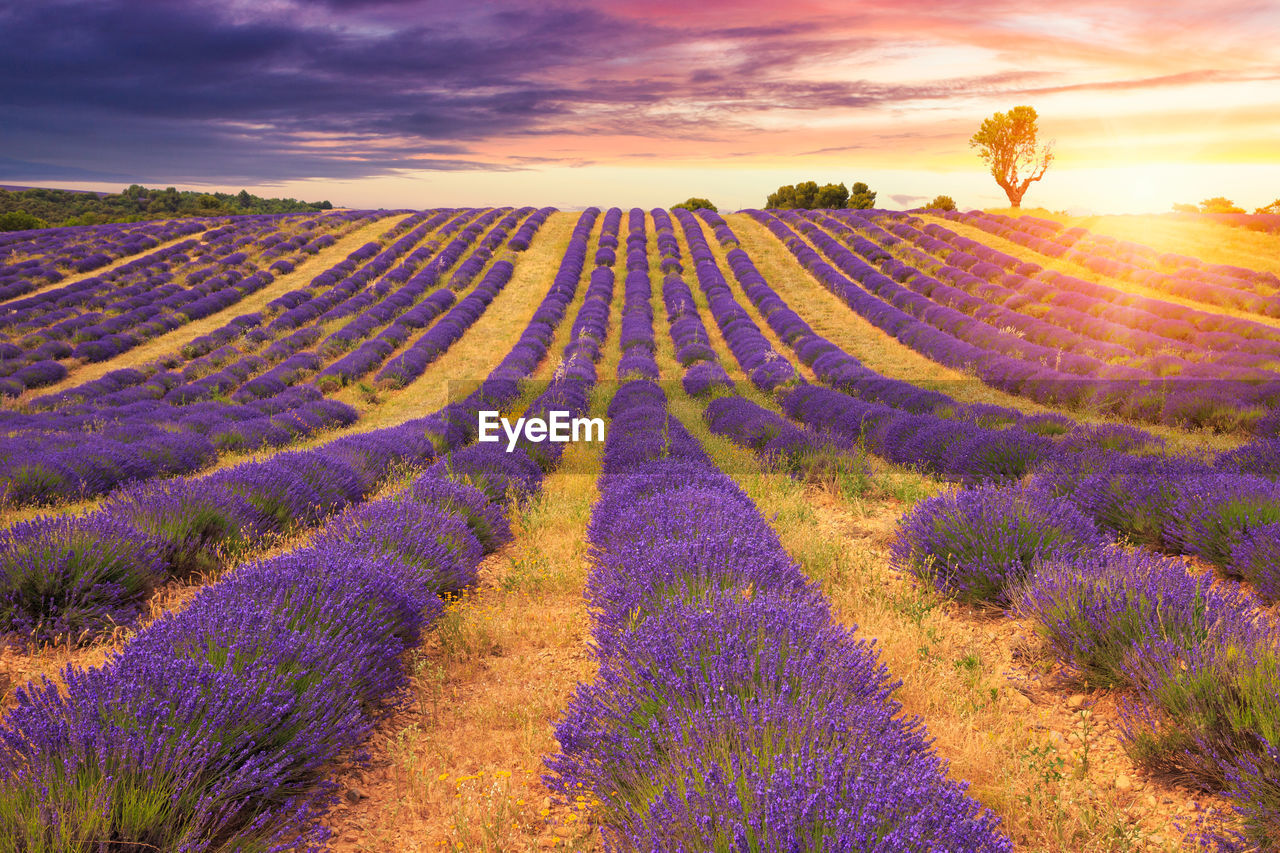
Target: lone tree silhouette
x=1007, y=144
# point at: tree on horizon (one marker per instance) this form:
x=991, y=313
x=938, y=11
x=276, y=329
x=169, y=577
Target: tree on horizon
x=1007, y=143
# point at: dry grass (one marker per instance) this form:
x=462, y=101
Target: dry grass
x=459, y=767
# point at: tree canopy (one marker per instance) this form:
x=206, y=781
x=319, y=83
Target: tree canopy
x=861, y=197
x=1274, y=207
x=1007, y=143
x=807, y=195
x=694, y=203
x=1220, y=204
x=1217, y=204
x=941, y=202
x=20, y=220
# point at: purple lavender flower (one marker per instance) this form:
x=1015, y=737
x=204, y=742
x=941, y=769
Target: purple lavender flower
x=1256, y=558
x=487, y=520
x=818, y=759
x=1097, y=607
x=976, y=543
x=410, y=532
x=1212, y=513
x=500, y=475
x=65, y=577
x=198, y=525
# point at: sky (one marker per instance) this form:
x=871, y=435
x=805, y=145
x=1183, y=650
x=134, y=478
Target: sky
x=426, y=103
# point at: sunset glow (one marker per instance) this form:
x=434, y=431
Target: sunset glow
x=410, y=103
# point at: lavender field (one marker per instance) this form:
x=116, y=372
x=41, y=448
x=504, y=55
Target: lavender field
x=911, y=531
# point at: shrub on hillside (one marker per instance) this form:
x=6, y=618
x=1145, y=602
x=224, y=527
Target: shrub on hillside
x=694, y=203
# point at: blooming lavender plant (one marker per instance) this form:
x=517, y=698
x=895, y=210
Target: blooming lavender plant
x=198, y=525
x=1097, y=608
x=487, y=520
x=72, y=578
x=977, y=543
x=212, y=728
x=729, y=709
x=1256, y=558
x=412, y=532
x=1212, y=513
x=753, y=722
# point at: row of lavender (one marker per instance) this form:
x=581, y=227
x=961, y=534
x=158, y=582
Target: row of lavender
x=1216, y=284
x=103, y=316
x=52, y=457
x=229, y=715
x=1225, y=512
x=74, y=577
x=329, y=295
x=1005, y=361
x=314, y=639
x=839, y=369
x=1121, y=616
x=406, y=298
x=419, y=354
x=244, y=373
x=1145, y=324
x=32, y=259
x=798, y=450
x=144, y=436
x=206, y=428
x=707, y=636
x=1098, y=346
x=892, y=418
x=703, y=375
x=1201, y=664
x=1158, y=338
x=1198, y=659
x=730, y=710
x=382, y=325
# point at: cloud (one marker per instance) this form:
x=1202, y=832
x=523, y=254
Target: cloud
x=905, y=200
x=237, y=91
x=1185, y=78
x=28, y=170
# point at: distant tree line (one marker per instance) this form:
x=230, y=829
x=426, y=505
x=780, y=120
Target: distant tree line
x=41, y=208
x=1221, y=204
x=807, y=195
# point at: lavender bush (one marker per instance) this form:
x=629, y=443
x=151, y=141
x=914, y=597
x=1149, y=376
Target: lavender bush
x=977, y=543
x=73, y=578
x=1097, y=608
